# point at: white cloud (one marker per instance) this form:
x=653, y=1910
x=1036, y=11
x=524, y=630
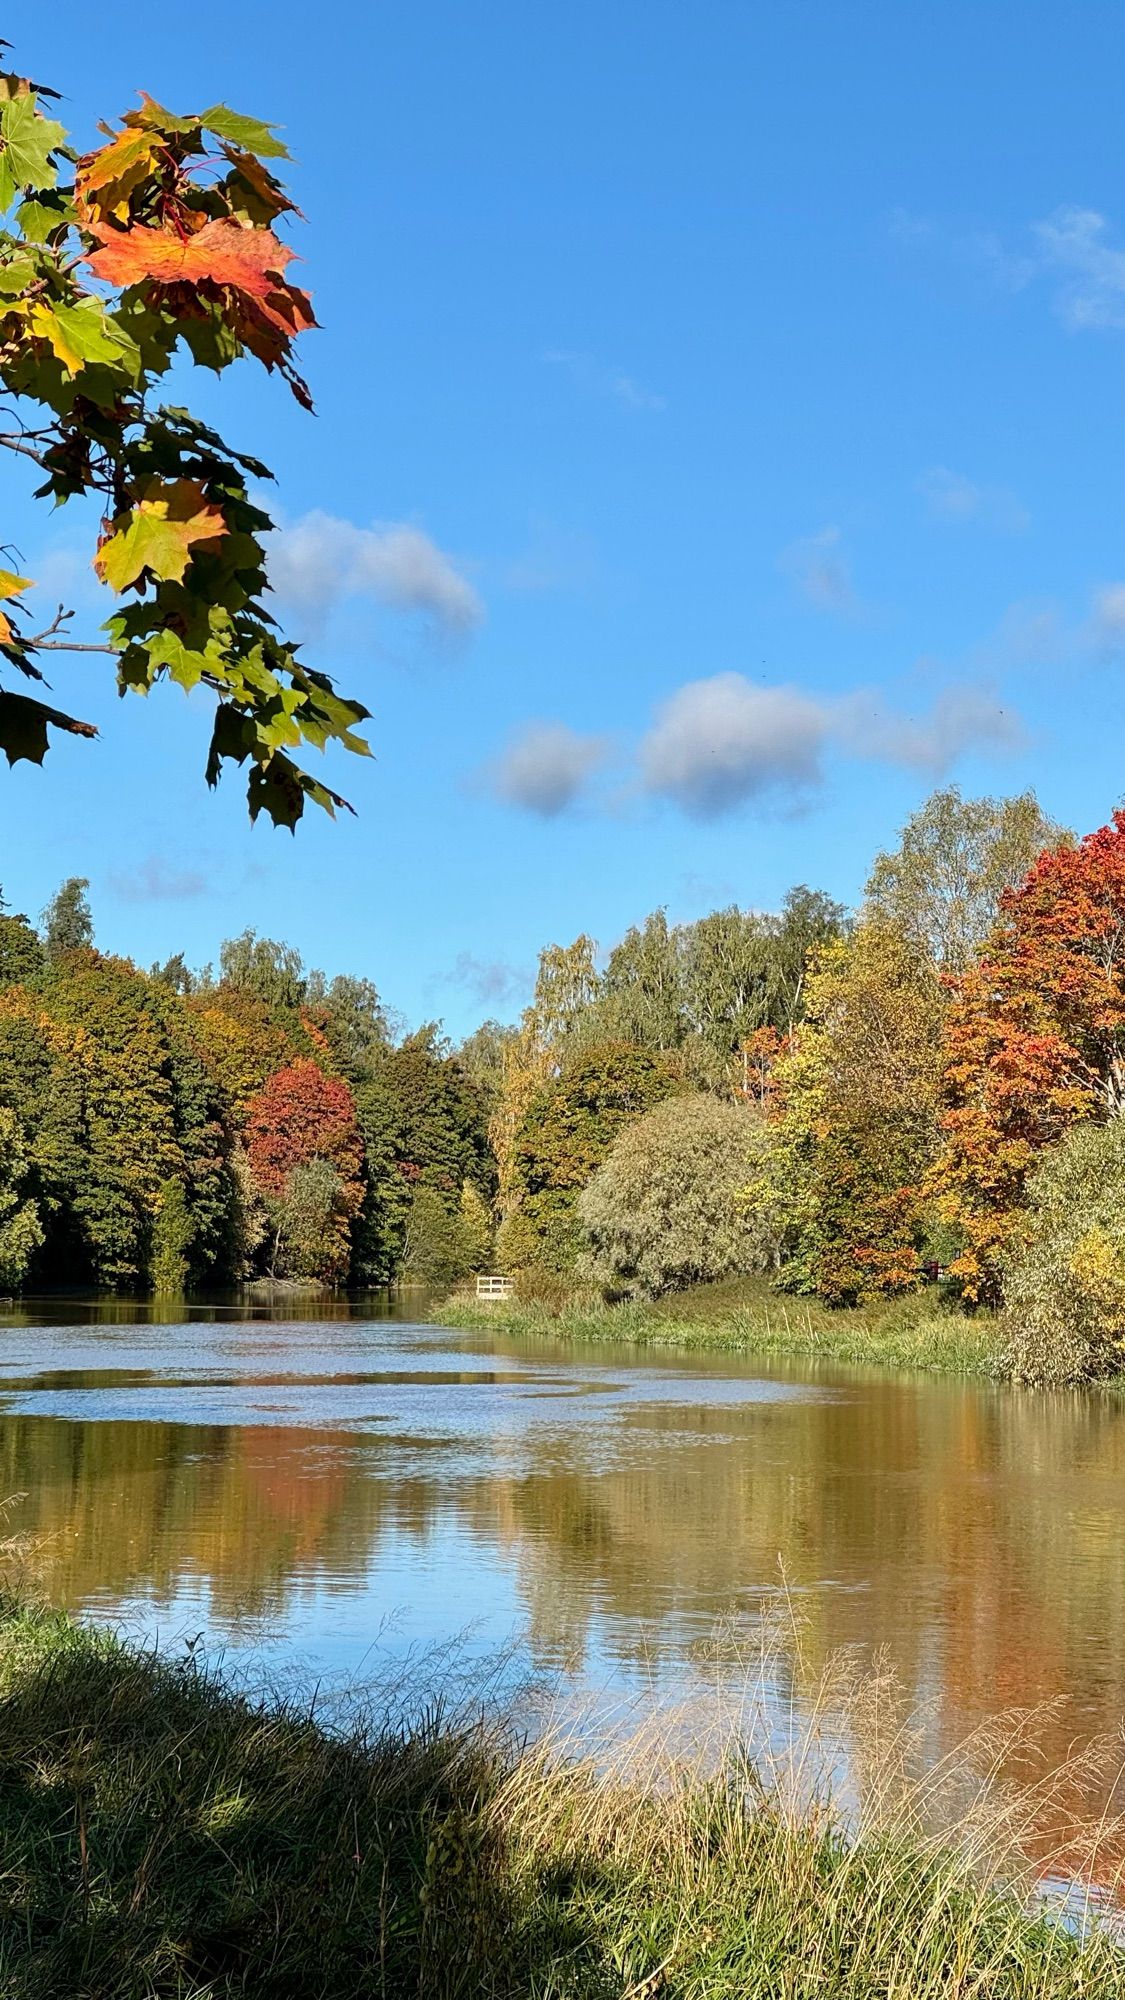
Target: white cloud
x=545, y=767
x=596, y=379
x=952, y=497
x=720, y=742
x=1106, y=628
x=820, y=570
x=960, y=719
x=1072, y=242
x=319, y=560
x=1072, y=247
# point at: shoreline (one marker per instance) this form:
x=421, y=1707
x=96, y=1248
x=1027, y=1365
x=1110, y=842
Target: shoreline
x=751, y=1320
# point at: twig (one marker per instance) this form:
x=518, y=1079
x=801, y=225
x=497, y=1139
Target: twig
x=46, y=641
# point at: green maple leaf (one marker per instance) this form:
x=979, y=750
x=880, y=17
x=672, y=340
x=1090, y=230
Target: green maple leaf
x=19, y=267
x=27, y=140
x=159, y=534
x=250, y=133
x=280, y=789
x=42, y=213
x=84, y=333
x=24, y=723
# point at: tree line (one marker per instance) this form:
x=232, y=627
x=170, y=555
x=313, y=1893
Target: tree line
x=171, y=1129
x=926, y=1090
x=857, y=1103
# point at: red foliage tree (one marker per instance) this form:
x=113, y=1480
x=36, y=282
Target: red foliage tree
x=302, y=1115
x=1035, y=1041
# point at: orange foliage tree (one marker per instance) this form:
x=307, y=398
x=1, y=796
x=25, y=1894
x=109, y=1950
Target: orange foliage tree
x=1035, y=1041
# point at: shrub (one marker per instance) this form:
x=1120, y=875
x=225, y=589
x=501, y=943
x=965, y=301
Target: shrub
x=664, y=1210
x=1064, y=1284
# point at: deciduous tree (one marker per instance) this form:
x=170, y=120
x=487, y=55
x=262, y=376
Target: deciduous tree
x=855, y=1124
x=1035, y=1043
x=565, y=1134
x=664, y=1209
x=942, y=885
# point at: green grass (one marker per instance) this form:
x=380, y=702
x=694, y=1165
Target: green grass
x=161, y=1835
x=748, y=1317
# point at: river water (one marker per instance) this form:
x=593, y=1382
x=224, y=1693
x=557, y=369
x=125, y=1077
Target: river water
x=329, y=1495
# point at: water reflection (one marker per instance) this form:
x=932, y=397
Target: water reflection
x=351, y=1483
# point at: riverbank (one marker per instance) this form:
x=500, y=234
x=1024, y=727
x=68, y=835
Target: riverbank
x=165, y=1836
x=747, y=1317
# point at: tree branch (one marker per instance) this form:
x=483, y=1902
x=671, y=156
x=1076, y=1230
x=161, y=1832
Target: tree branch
x=13, y=442
x=47, y=641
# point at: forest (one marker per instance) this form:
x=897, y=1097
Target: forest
x=922, y=1092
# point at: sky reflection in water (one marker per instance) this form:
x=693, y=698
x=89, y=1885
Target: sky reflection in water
x=329, y=1495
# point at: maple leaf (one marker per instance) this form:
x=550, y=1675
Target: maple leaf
x=11, y=585
x=159, y=533
x=81, y=333
x=252, y=134
x=107, y=178
x=23, y=727
x=221, y=253
x=253, y=191
x=27, y=140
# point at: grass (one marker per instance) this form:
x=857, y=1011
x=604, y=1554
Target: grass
x=163, y=1835
x=748, y=1317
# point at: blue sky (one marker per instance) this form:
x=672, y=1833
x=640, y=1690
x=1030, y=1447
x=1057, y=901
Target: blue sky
x=719, y=443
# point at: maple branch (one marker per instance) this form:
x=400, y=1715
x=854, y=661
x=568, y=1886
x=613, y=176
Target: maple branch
x=14, y=442
x=47, y=642
x=71, y=646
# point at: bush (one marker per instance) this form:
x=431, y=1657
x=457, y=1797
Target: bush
x=664, y=1210
x=1064, y=1285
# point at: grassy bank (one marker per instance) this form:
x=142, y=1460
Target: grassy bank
x=160, y=1836
x=747, y=1317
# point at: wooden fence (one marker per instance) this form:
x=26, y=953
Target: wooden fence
x=493, y=1287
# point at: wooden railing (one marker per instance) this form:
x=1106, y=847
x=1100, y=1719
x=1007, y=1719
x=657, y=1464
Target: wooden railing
x=493, y=1287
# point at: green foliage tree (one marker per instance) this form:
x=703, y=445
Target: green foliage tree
x=311, y=1222
x=67, y=921
x=423, y=1122
x=352, y=1017
x=1064, y=1276
x=942, y=885
x=172, y=1233
x=156, y=248
x=482, y=1057
x=21, y=949
x=564, y=1137
x=665, y=1208
x=441, y=1243
x=642, y=990
x=260, y=966
x=21, y=1232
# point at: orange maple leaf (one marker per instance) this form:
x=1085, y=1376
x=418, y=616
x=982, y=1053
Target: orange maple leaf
x=221, y=253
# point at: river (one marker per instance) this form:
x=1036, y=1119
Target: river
x=332, y=1495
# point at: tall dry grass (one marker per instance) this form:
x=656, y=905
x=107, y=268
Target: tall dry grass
x=161, y=1834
